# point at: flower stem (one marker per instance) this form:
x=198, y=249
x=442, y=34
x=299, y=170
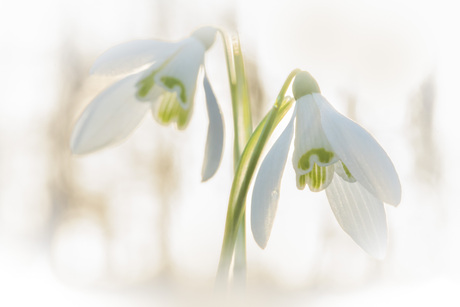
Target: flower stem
x=243, y=175
x=242, y=122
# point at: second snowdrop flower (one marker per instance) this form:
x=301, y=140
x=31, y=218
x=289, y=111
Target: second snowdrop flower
x=332, y=153
x=163, y=79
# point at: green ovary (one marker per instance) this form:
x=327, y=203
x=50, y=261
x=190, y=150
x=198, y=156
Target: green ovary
x=323, y=155
x=171, y=82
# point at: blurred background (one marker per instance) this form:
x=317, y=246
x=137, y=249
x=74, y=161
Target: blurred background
x=133, y=225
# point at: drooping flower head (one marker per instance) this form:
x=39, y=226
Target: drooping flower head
x=162, y=78
x=332, y=153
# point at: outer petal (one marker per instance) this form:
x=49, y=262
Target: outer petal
x=360, y=215
x=267, y=187
x=362, y=155
x=109, y=118
x=125, y=58
x=180, y=72
x=215, y=138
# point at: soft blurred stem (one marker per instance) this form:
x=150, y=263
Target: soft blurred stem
x=244, y=171
x=242, y=122
x=240, y=186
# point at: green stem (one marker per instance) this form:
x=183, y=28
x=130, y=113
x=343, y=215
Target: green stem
x=241, y=106
x=243, y=176
x=242, y=119
x=239, y=255
x=242, y=122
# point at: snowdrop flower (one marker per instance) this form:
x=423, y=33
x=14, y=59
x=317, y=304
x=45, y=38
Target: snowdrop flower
x=163, y=77
x=332, y=153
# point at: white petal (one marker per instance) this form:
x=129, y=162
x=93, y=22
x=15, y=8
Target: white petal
x=129, y=56
x=360, y=214
x=109, y=118
x=179, y=74
x=310, y=144
x=215, y=138
x=362, y=155
x=344, y=172
x=267, y=187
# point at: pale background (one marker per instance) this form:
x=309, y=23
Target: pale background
x=133, y=225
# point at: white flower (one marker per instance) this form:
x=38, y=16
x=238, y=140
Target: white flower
x=164, y=81
x=334, y=153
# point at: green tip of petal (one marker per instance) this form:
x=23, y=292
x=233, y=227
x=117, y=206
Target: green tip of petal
x=206, y=35
x=304, y=84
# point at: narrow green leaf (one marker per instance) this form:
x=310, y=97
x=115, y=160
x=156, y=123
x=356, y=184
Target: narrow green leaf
x=244, y=173
x=242, y=123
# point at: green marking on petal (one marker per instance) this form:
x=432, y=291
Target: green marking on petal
x=316, y=178
x=342, y=170
x=167, y=110
x=323, y=155
x=171, y=82
x=183, y=118
x=145, y=85
x=170, y=110
x=345, y=168
x=301, y=182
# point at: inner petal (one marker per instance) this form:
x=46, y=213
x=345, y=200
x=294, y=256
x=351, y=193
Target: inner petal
x=317, y=179
x=311, y=146
x=168, y=110
x=177, y=74
x=180, y=73
x=342, y=170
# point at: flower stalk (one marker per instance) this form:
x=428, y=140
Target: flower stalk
x=242, y=122
x=243, y=175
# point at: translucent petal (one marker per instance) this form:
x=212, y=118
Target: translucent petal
x=360, y=214
x=359, y=151
x=215, y=138
x=180, y=72
x=267, y=187
x=109, y=118
x=129, y=56
x=343, y=171
x=310, y=144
